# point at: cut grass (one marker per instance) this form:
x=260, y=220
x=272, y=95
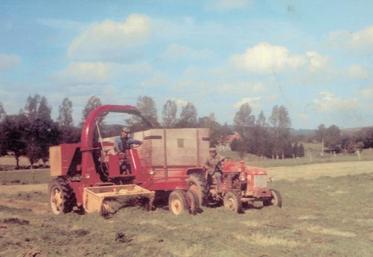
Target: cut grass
x=312, y=223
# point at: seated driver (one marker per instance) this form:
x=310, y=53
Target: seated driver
x=123, y=143
x=213, y=168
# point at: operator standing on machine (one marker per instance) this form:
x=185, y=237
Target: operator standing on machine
x=121, y=144
x=213, y=168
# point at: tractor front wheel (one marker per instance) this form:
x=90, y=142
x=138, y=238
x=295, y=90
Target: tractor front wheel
x=276, y=198
x=232, y=202
x=193, y=202
x=61, y=196
x=177, y=202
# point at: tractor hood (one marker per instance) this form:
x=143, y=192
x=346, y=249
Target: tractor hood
x=235, y=166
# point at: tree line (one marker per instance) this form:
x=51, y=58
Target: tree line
x=334, y=140
x=32, y=131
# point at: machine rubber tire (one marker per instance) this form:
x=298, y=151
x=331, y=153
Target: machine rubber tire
x=198, y=184
x=276, y=198
x=232, y=202
x=61, y=196
x=177, y=203
x=193, y=202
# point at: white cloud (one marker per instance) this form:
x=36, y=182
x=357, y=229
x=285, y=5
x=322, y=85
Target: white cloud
x=224, y=5
x=356, y=71
x=8, y=61
x=254, y=102
x=367, y=92
x=266, y=58
x=240, y=87
x=316, y=61
x=180, y=102
x=177, y=52
x=329, y=102
x=111, y=40
x=360, y=40
x=85, y=73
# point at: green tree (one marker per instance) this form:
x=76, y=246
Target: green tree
x=44, y=111
x=244, y=123
x=261, y=120
x=2, y=112
x=216, y=132
x=188, y=116
x=41, y=131
x=92, y=103
x=260, y=136
x=281, y=123
x=333, y=136
x=65, y=116
x=32, y=106
x=14, y=136
x=68, y=133
x=169, y=114
x=40, y=135
x=148, y=110
x=320, y=133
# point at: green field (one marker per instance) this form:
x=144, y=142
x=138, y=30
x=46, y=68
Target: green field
x=312, y=155
x=324, y=214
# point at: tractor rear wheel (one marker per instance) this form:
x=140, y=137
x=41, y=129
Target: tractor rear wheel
x=232, y=202
x=198, y=184
x=177, y=202
x=61, y=196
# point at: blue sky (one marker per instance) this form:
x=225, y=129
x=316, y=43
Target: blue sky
x=314, y=57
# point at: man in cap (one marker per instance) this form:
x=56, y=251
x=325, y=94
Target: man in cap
x=124, y=141
x=213, y=166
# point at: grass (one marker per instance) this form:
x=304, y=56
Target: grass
x=312, y=155
x=24, y=176
x=322, y=216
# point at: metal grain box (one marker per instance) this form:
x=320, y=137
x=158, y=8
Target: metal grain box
x=61, y=158
x=173, y=147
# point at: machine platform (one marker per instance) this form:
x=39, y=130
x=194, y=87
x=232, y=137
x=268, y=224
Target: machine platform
x=96, y=199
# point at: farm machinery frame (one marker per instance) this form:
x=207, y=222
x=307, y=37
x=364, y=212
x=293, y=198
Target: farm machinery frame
x=88, y=174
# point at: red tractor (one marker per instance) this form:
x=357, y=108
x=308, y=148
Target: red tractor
x=90, y=175
x=242, y=186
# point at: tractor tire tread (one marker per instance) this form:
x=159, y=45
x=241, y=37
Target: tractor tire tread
x=201, y=182
x=67, y=192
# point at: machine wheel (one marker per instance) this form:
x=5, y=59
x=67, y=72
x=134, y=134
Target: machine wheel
x=177, y=202
x=232, y=202
x=61, y=196
x=276, y=198
x=193, y=202
x=149, y=204
x=198, y=184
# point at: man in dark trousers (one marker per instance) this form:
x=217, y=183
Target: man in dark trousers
x=213, y=167
x=121, y=144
